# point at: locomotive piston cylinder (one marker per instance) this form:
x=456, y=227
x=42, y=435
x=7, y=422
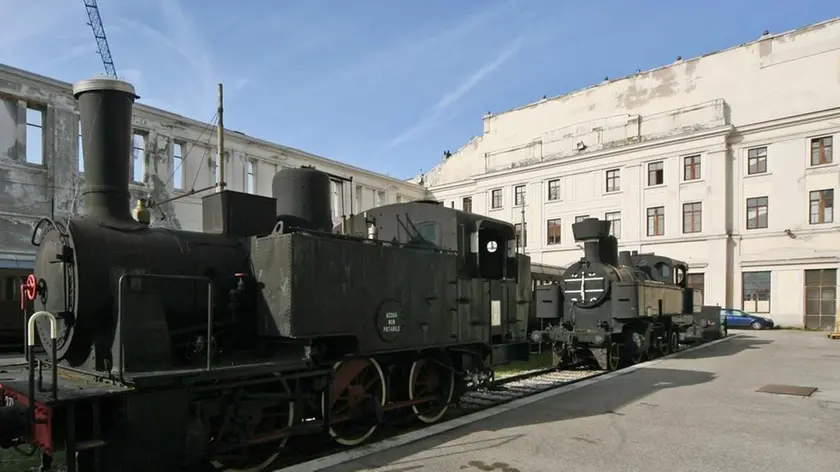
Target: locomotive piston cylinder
x=105, y=109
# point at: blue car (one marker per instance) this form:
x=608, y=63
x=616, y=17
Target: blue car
x=742, y=319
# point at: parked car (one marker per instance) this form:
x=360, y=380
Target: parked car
x=742, y=319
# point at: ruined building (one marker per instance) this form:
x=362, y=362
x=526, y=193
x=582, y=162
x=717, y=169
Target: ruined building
x=726, y=161
x=42, y=171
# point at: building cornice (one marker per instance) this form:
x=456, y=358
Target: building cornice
x=793, y=120
x=551, y=160
x=816, y=260
x=232, y=136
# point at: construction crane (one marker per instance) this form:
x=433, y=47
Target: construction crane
x=99, y=34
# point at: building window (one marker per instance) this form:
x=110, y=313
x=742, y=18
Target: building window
x=656, y=173
x=756, y=291
x=380, y=198
x=613, y=180
x=34, y=136
x=496, y=198
x=249, y=176
x=691, y=165
x=757, y=213
x=692, y=217
x=615, y=223
x=757, y=161
x=820, y=298
x=554, y=189
x=214, y=177
x=80, y=151
x=656, y=221
x=580, y=218
x=177, y=165
x=521, y=237
x=466, y=204
x=451, y=203
x=822, y=206
x=698, y=283
x=519, y=195
x=821, y=151
x=554, y=231
x=138, y=158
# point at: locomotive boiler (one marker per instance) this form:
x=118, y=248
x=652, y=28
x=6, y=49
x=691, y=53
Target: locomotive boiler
x=617, y=308
x=179, y=350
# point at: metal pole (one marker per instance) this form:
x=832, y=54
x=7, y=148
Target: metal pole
x=220, y=136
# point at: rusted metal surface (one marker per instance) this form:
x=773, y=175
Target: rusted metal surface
x=788, y=390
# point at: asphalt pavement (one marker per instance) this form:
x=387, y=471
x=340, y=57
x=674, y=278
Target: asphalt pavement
x=700, y=411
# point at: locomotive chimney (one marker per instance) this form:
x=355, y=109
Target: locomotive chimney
x=105, y=107
x=591, y=231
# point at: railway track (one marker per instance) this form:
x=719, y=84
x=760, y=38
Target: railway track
x=514, y=387
x=503, y=389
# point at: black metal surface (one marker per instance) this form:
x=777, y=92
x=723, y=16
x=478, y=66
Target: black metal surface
x=105, y=108
x=315, y=286
x=549, y=301
x=86, y=288
x=238, y=214
x=303, y=198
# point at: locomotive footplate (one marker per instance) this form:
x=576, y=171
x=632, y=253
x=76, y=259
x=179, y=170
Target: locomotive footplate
x=54, y=427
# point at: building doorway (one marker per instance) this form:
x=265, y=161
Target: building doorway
x=820, y=299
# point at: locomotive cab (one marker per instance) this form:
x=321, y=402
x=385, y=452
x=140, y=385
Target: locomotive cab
x=486, y=247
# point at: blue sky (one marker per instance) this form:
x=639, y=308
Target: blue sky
x=384, y=85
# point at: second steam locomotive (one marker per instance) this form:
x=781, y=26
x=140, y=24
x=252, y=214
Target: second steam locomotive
x=616, y=308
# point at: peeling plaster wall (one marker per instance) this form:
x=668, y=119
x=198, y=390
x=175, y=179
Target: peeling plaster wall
x=773, y=77
x=774, y=95
x=29, y=191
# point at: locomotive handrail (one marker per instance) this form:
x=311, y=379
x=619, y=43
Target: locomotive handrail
x=30, y=341
x=121, y=290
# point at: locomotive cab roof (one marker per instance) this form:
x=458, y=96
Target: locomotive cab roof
x=426, y=221
x=484, y=245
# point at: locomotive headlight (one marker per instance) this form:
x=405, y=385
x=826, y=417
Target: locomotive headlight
x=536, y=336
x=599, y=339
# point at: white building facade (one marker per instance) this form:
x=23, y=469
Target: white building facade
x=727, y=162
x=42, y=167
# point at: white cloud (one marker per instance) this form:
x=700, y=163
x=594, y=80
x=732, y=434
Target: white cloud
x=436, y=115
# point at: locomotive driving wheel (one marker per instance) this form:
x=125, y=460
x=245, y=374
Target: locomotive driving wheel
x=664, y=343
x=246, y=436
x=608, y=358
x=357, y=395
x=430, y=378
x=674, y=340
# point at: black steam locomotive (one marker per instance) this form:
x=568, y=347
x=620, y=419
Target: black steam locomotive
x=175, y=350
x=617, y=308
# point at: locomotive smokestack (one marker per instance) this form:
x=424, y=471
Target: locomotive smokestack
x=105, y=107
x=591, y=231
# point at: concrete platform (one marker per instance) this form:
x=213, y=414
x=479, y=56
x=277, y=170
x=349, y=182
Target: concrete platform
x=699, y=411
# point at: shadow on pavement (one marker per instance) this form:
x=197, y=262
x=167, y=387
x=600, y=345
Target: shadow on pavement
x=604, y=398
x=729, y=347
